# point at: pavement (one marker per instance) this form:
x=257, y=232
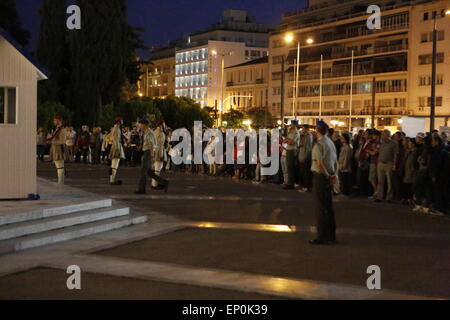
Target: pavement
x=240, y=237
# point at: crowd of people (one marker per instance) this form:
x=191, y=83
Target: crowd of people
x=384, y=167
x=371, y=163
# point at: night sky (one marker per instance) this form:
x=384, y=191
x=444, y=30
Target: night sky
x=167, y=19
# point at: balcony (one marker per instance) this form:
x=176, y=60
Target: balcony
x=344, y=54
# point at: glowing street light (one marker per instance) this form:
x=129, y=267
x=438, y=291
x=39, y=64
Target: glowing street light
x=289, y=38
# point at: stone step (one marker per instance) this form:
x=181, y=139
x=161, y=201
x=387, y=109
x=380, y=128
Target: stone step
x=21, y=229
x=53, y=212
x=70, y=233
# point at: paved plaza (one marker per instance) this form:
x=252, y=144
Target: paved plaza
x=214, y=238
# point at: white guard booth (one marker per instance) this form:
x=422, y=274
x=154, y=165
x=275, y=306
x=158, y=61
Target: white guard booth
x=19, y=75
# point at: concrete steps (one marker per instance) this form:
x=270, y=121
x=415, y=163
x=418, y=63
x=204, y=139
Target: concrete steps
x=52, y=212
x=37, y=228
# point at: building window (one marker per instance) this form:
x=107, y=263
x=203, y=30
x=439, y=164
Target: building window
x=8, y=105
x=426, y=80
x=276, y=76
x=427, y=58
x=277, y=59
x=428, y=99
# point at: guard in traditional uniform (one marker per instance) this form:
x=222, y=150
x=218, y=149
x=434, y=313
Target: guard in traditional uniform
x=148, y=148
x=117, y=151
x=160, y=152
x=57, y=139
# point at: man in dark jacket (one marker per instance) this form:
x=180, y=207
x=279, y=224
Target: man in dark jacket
x=437, y=167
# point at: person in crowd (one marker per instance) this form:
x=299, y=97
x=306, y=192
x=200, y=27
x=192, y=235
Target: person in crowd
x=409, y=171
x=95, y=145
x=134, y=145
x=345, y=164
x=422, y=181
x=117, y=151
x=437, y=164
x=148, y=145
x=283, y=160
x=57, y=139
x=304, y=159
x=386, y=166
x=291, y=143
x=363, y=158
x=160, y=155
x=83, y=145
x=373, y=150
x=41, y=143
x=70, y=143
x=324, y=168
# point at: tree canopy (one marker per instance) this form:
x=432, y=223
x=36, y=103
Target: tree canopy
x=10, y=22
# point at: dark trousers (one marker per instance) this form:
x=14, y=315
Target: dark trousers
x=305, y=174
x=147, y=170
x=346, y=182
x=323, y=195
x=41, y=151
x=291, y=160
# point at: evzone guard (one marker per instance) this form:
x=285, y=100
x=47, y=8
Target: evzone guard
x=148, y=147
x=117, y=151
x=160, y=155
x=57, y=139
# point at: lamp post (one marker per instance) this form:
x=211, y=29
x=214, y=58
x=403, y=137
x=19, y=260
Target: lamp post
x=222, y=77
x=433, y=73
x=289, y=38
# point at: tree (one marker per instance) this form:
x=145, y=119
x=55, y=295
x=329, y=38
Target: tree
x=233, y=118
x=52, y=50
x=135, y=109
x=182, y=112
x=98, y=58
x=260, y=117
x=10, y=22
x=46, y=112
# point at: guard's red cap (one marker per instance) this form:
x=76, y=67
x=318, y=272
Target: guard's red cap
x=57, y=117
x=160, y=122
x=118, y=119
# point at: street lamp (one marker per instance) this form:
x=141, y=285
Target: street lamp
x=215, y=53
x=289, y=38
x=433, y=72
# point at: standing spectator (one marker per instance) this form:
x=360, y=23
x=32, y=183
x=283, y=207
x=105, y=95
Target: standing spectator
x=70, y=143
x=397, y=176
x=83, y=145
x=386, y=165
x=291, y=142
x=409, y=170
x=345, y=164
x=324, y=168
x=304, y=159
x=41, y=143
x=96, y=145
x=134, y=143
x=373, y=150
x=436, y=168
x=422, y=181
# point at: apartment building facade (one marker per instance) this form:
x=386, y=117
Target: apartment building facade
x=158, y=76
x=247, y=85
x=200, y=63
x=388, y=76
x=199, y=70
